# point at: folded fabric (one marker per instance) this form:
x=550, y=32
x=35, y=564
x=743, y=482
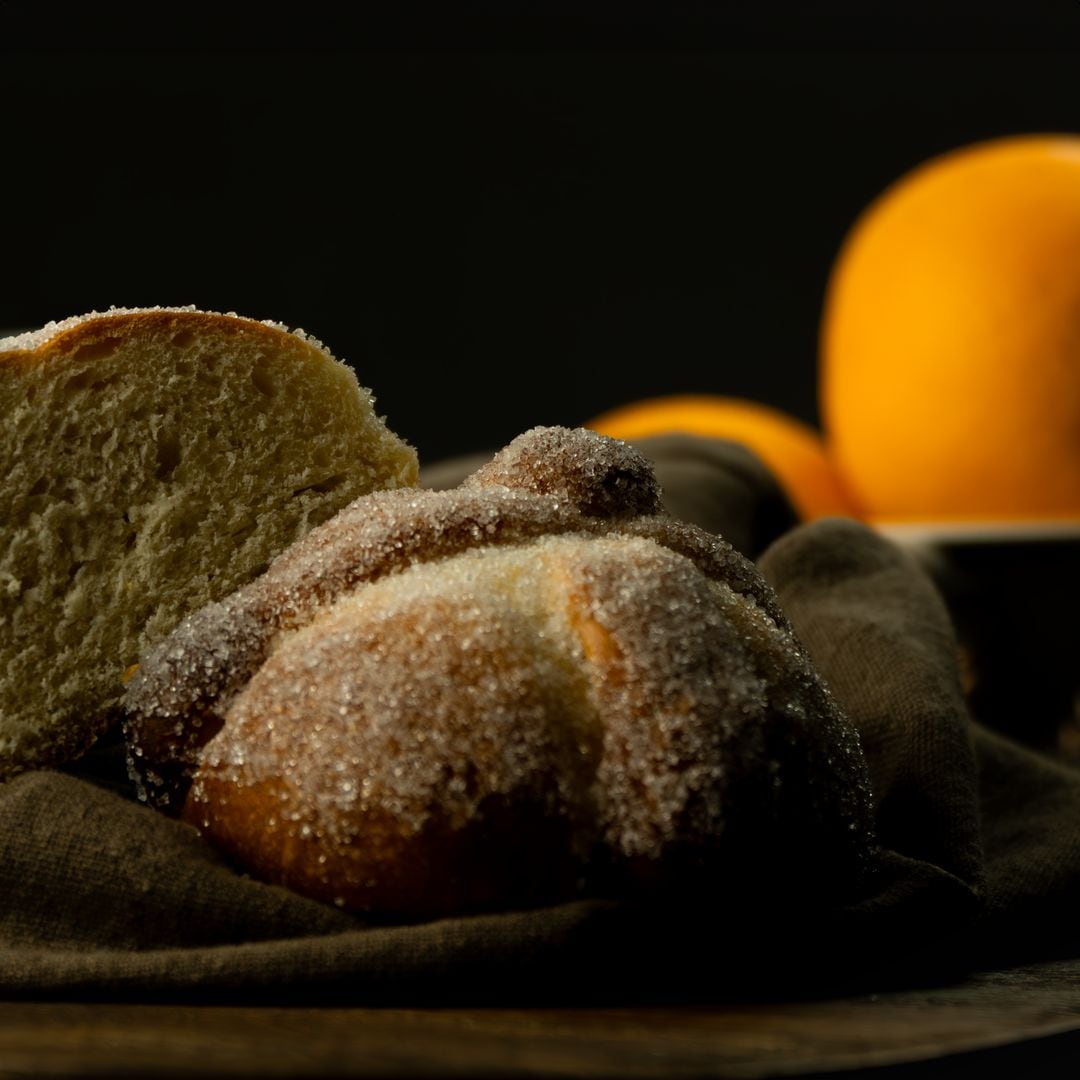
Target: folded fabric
x=978, y=856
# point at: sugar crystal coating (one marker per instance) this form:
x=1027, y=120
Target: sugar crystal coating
x=600, y=478
x=499, y=695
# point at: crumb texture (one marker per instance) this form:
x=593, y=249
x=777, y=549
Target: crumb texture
x=155, y=460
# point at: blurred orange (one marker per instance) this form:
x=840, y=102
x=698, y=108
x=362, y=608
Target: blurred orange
x=950, y=344
x=792, y=450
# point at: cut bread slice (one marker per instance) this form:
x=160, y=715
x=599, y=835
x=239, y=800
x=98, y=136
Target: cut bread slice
x=153, y=460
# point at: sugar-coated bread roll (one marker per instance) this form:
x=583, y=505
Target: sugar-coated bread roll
x=154, y=460
x=531, y=686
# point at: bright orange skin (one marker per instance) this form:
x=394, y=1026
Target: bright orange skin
x=950, y=343
x=792, y=450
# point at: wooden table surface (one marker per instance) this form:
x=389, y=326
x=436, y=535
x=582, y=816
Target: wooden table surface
x=1025, y=1021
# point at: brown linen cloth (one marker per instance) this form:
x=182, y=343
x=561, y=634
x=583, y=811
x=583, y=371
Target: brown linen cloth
x=979, y=857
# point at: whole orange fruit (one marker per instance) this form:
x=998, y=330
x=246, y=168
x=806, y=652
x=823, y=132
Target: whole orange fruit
x=950, y=342
x=792, y=450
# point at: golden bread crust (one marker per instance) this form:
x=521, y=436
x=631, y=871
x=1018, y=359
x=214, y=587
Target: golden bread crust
x=533, y=685
x=66, y=336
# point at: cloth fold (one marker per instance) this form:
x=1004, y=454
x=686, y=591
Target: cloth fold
x=874, y=623
x=978, y=854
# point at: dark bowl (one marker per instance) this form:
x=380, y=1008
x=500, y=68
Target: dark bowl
x=1014, y=594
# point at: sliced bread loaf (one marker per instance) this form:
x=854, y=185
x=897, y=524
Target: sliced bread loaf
x=153, y=460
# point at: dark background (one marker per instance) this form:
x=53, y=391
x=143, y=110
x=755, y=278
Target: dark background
x=499, y=219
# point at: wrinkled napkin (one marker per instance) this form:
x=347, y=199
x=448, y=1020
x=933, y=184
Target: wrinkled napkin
x=977, y=859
